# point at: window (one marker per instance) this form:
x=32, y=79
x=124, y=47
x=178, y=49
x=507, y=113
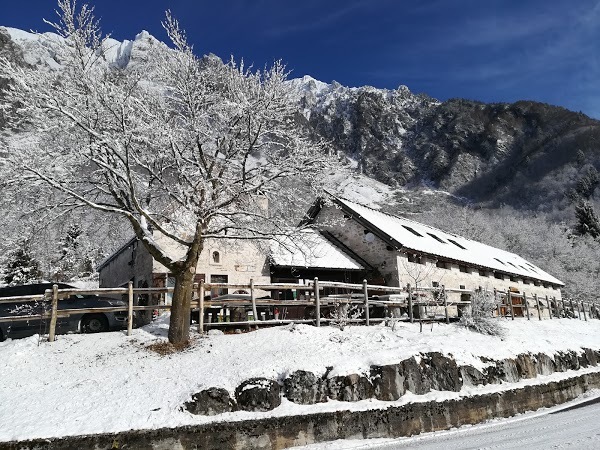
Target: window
x=442, y=265
x=463, y=269
x=457, y=244
x=498, y=275
x=482, y=273
x=218, y=279
x=216, y=257
x=417, y=259
x=526, y=281
x=536, y=283
x=436, y=238
x=462, y=286
x=412, y=231
x=435, y=284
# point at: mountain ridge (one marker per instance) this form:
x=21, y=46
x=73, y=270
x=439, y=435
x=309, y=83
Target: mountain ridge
x=488, y=153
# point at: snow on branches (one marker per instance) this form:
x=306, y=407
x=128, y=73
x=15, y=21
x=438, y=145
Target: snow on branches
x=183, y=147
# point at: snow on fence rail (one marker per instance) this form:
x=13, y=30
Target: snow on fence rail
x=410, y=298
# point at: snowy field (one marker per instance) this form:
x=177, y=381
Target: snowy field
x=109, y=382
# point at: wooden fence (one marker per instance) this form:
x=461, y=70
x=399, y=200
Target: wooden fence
x=426, y=301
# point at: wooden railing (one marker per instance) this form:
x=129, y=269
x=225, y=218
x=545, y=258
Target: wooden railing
x=354, y=294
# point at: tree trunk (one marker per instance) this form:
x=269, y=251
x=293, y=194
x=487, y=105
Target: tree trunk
x=179, y=325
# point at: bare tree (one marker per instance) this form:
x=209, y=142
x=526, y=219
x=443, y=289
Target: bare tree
x=185, y=148
x=420, y=270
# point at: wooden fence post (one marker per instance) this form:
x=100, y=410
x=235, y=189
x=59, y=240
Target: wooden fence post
x=497, y=303
x=410, y=304
x=583, y=307
x=253, y=299
x=201, y=308
x=129, y=308
x=52, y=332
x=512, y=311
x=526, y=305
x=572, y=307
x=446, y=304
x=549, y=307
x=537, y=304
x=366, y=294
x=317, y=302
x=564, y=311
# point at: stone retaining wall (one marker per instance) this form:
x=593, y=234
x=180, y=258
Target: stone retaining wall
x=419, y=374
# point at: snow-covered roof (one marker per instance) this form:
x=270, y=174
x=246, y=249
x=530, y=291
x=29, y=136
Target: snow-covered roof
x=425, y=239
x=311, y=249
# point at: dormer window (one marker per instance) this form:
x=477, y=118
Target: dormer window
x=436, y=238
x=457, y=244
x=412, y=230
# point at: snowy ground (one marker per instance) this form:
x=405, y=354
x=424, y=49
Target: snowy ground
x=84, y=384
x=571, y=425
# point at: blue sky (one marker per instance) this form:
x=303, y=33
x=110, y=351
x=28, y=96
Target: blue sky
x=488, y=50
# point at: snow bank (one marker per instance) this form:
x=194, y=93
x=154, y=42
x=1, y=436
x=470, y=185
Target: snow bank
x=109, y=382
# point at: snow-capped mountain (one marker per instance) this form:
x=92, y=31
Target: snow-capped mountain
x=526, y=154
x=38, y=49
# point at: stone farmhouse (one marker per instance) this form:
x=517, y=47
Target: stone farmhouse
x=407, y=252
x=353, y=242
x=224, y=261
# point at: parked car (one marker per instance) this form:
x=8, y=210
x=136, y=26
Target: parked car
x=84, y=322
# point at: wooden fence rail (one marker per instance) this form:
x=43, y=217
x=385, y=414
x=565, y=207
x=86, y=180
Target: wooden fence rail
x=420, y=298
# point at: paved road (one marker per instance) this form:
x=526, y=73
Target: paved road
x=575, y=427
x=571, y=426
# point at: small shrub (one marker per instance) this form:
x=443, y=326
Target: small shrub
x=480, y=318
x=343, y=313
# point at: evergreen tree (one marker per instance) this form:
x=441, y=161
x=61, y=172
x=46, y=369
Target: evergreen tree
x=21, y=266
x=69, y=258
x=587, y=220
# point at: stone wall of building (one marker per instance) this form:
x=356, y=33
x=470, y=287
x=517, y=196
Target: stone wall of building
x=361, y=241
x=239, y=261
x=132, y=263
